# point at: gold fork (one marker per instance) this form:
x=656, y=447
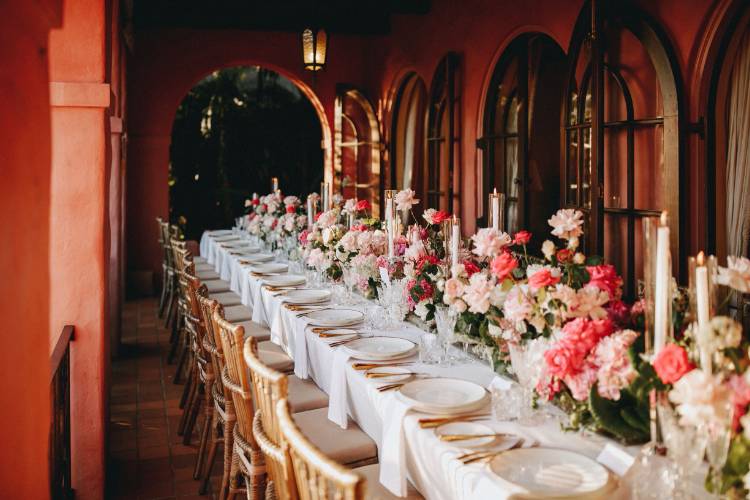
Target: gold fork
x=470, y=458
x=369, y=366
x=429, y=423
x=388, y=387
x=465, y=437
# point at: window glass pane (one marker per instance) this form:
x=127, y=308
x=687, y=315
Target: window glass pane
x=506, y=91
x=586, y=167
x=512, y=181
x=511, y=216
x=573, y=108
x=511, y=123
x=614, y=101
x=571, y=189
x=616, y=242
x=649, y=165
x=615, y=168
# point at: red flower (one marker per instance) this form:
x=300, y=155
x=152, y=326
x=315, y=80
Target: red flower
x=362, y=205
x=522, y=238
x=470, y=268
x=256, y=202
x=542, y=278
x=606, y=279
x=440, y=216
x=303, y=237
x=290, y=209
x=672, y=363
x=619, y=312
x=564, y=255
x=502, y=265
x=427, y=259
x=317, y=216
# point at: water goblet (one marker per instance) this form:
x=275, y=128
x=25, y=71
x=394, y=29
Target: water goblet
x=445, y=321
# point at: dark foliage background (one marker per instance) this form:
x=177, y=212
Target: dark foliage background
x=235, y=130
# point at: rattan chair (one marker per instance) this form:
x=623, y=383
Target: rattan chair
x=349, y=446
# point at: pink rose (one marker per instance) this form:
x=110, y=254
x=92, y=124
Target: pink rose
x=606, y=279
x=542, y=278
x=522, y=238
x=362, y=205
x=502, y=265
x=672, y=363
x=453, y=288
x=560, y=360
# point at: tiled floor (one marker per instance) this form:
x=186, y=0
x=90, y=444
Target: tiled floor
x=147, y=458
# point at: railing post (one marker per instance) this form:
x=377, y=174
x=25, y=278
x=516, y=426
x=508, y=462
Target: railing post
x=59, y=435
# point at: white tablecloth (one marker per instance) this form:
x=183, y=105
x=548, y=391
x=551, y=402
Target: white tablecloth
x=430, y=464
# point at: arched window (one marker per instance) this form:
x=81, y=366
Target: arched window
x=621, y=155
x=407, y=136
x=356, y=147
x=442, y=137
x=520, y=141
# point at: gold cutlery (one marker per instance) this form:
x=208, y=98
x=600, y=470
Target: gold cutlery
x=369, y=366
x=429, y=423
x=305, y=313
x=465, y=437
x=329, y=335
x=342, y=342
x=388, y=387
x=384, y=375
x=324, y=329
x=470, y=458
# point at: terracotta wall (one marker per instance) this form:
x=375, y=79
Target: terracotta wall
x=169, y=62
x=80, y=226
x=24, y=260
x=166, y=64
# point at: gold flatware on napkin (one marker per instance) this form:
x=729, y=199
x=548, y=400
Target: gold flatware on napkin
x=369, y=366
x=329, y=335
x=389, y=387
x=466, y=437
x=392, y=374
x=470, y=458
x=430, y=423
x=342, y=342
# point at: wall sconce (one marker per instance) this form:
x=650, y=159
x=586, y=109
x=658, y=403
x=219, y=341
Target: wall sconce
x=314, y=45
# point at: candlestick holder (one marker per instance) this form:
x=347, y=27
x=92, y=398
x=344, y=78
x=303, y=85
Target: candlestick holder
x=496, y=210
x=652, y=269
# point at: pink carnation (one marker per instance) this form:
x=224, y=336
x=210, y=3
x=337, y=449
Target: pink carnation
x=606, y=279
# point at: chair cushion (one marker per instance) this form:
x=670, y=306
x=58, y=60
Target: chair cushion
x=203, y=266
x=376, y=491
x=253, y=329
x=305, y=395
x=345, y=446
x=275, y=357
x=200, y=260
x=227, y=298
x=216, y=286
x=237, y=314
x=209, y=275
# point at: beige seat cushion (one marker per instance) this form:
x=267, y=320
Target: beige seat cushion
x=227, y=298
x=376, y=491
x=253, y=329
x=237, y=314
x=207, y=275
x=203, y=266
x=216, y=285
x=200, y=260
x=275, y=357
x=346, y=446
x=305, y=395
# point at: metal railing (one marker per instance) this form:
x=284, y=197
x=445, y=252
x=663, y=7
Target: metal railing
x=59, y=434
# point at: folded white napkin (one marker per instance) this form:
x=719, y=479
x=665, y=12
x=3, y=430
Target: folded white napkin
x=338, y=404
x=299, y=340
x=393, y=447
x=259, y=308
x=204, y=243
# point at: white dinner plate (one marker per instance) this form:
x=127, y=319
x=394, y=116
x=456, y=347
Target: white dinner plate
x=306, y=296
x=545, y=472
x=335, y=317
x=498, y=443
x=380, y=348
x=220, y=232
x=396, y=373
x=443, y=395
x=284, y=279
x=258, y=258
x=249, y=251
x=269, y=268
x=224, y=239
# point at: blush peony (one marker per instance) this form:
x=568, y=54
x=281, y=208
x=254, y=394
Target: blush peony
x=567, y=223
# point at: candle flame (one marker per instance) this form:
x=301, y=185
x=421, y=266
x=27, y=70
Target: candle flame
x=700, y=259
x=663, y=219
x=495, y=191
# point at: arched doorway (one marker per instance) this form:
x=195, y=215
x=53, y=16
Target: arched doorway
x=521, y=138
x=235, y=129
x=621, y=151
x=407, y=146
x=356, y=147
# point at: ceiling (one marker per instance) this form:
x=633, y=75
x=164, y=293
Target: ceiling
x=360, y=17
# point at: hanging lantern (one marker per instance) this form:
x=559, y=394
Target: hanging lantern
x=314, y=45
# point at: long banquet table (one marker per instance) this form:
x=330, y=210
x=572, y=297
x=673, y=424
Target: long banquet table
x=430, y=464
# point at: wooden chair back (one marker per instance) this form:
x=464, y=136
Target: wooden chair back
x=316, y=476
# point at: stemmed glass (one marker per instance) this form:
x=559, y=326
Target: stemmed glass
x=719, y=434
x=350, y=280
x=526, y=361
x=686, y=446
x=445, y=320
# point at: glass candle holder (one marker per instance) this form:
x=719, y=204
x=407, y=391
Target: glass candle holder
x=703, y=301
x=496, y=210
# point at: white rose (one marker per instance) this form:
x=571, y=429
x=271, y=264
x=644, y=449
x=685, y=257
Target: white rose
x=579, y=258
x=459, y=306
x=548, y=249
